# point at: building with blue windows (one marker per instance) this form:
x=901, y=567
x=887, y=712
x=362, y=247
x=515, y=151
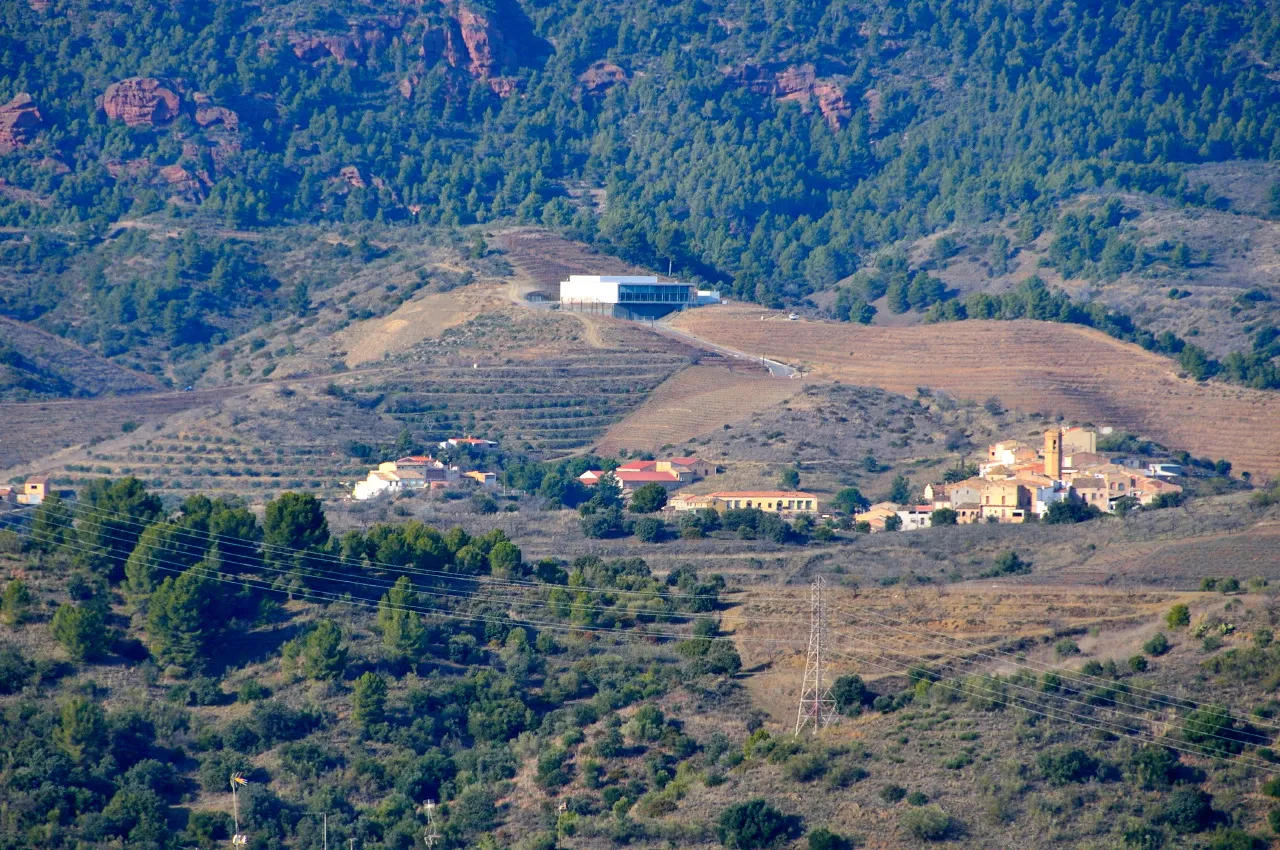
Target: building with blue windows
x=626, y=296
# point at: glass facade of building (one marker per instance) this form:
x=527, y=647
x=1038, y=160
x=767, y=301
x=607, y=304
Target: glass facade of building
x=654, y=293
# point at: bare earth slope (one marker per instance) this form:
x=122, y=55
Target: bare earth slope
x=87, y=372
x=693, y=402
x=1052, y=368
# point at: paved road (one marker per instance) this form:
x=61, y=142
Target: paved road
x=778, y=370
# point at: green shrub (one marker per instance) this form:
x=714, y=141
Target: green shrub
x=1189, y=810
x=1138, y=663
x=824, y=839
x=1212, y=730
x=1157, y=645
x=754, y=824
x=649, y=529
x=806, y=767
x=893, y=793
x=917, y=798
x=1235, y=839
x=1063, y=765
x=1066, y=648
x=1179, y=616
x=850, y=694
x=929, y=823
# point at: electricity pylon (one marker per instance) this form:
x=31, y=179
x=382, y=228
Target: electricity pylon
x=817, y=706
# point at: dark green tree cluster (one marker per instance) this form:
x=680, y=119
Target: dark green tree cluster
x=985, y=110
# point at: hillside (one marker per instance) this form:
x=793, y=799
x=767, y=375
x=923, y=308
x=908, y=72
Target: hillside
x=1030, y=710
x=772, y=155
x=1031, y=366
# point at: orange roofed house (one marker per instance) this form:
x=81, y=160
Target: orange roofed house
x=670, y=473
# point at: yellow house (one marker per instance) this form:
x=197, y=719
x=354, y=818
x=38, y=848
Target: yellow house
x=773, y=501
x=34, y=491
x=485, y=479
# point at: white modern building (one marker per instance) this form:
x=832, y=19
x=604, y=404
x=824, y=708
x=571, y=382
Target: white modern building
x=626, y=296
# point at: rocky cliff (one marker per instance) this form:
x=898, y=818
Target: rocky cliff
x=19, y=121
x=142, y=101
x=799, y=84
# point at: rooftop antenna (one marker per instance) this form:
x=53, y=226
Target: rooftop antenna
x=237, y=780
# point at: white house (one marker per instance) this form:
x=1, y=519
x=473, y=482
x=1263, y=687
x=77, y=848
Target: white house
x=1046, y=495
x=917, y=517
x=416, y=472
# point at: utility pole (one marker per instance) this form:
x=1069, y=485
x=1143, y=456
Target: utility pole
x=430, y=836
x=817, y=706
x=326, y=831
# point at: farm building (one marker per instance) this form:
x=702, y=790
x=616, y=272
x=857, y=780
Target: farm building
x=484, y=479
x=416, y=472
x=626, y=296
x=773, y=501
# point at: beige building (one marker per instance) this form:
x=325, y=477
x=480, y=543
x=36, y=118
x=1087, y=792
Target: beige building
x=1006, y=501
x=875, y=515
x=34, y=490
x=773, y=501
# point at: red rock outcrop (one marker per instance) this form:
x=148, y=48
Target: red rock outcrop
x=798, y=83
x=601, y=76
x=487, y=48
x=209, y=115
x=443, y=42
x=347, y=49
x=351, y=174
x=141, y=101
x=181, y=180
x=19, y=121
x=504, y=86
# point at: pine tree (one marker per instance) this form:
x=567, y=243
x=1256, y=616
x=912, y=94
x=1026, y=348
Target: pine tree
x=185, y=617
x=402, y=630
x=369, y=701
x=322, y=654
x=82, y=629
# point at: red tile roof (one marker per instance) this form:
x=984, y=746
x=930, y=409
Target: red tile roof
x=631, y=476
x=761, y=494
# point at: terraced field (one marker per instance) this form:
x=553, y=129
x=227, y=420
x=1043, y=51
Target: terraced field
x=529, y=380
x=1030, y=366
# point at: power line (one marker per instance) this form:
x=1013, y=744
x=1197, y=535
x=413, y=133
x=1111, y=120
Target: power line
x=1071, y=677
x=231, y=558
x=995, y=694
x=312, y=595
x=90, y=510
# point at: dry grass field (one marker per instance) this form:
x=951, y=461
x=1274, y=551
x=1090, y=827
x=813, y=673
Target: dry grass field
x=1037, y=366
x=693, y=402
x=543, y=259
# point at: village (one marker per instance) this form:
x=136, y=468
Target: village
x=1017, y=482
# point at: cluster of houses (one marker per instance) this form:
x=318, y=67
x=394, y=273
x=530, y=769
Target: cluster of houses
x=33, y=491
x=672, y=473
x=1019, y=481
x=422, y=472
